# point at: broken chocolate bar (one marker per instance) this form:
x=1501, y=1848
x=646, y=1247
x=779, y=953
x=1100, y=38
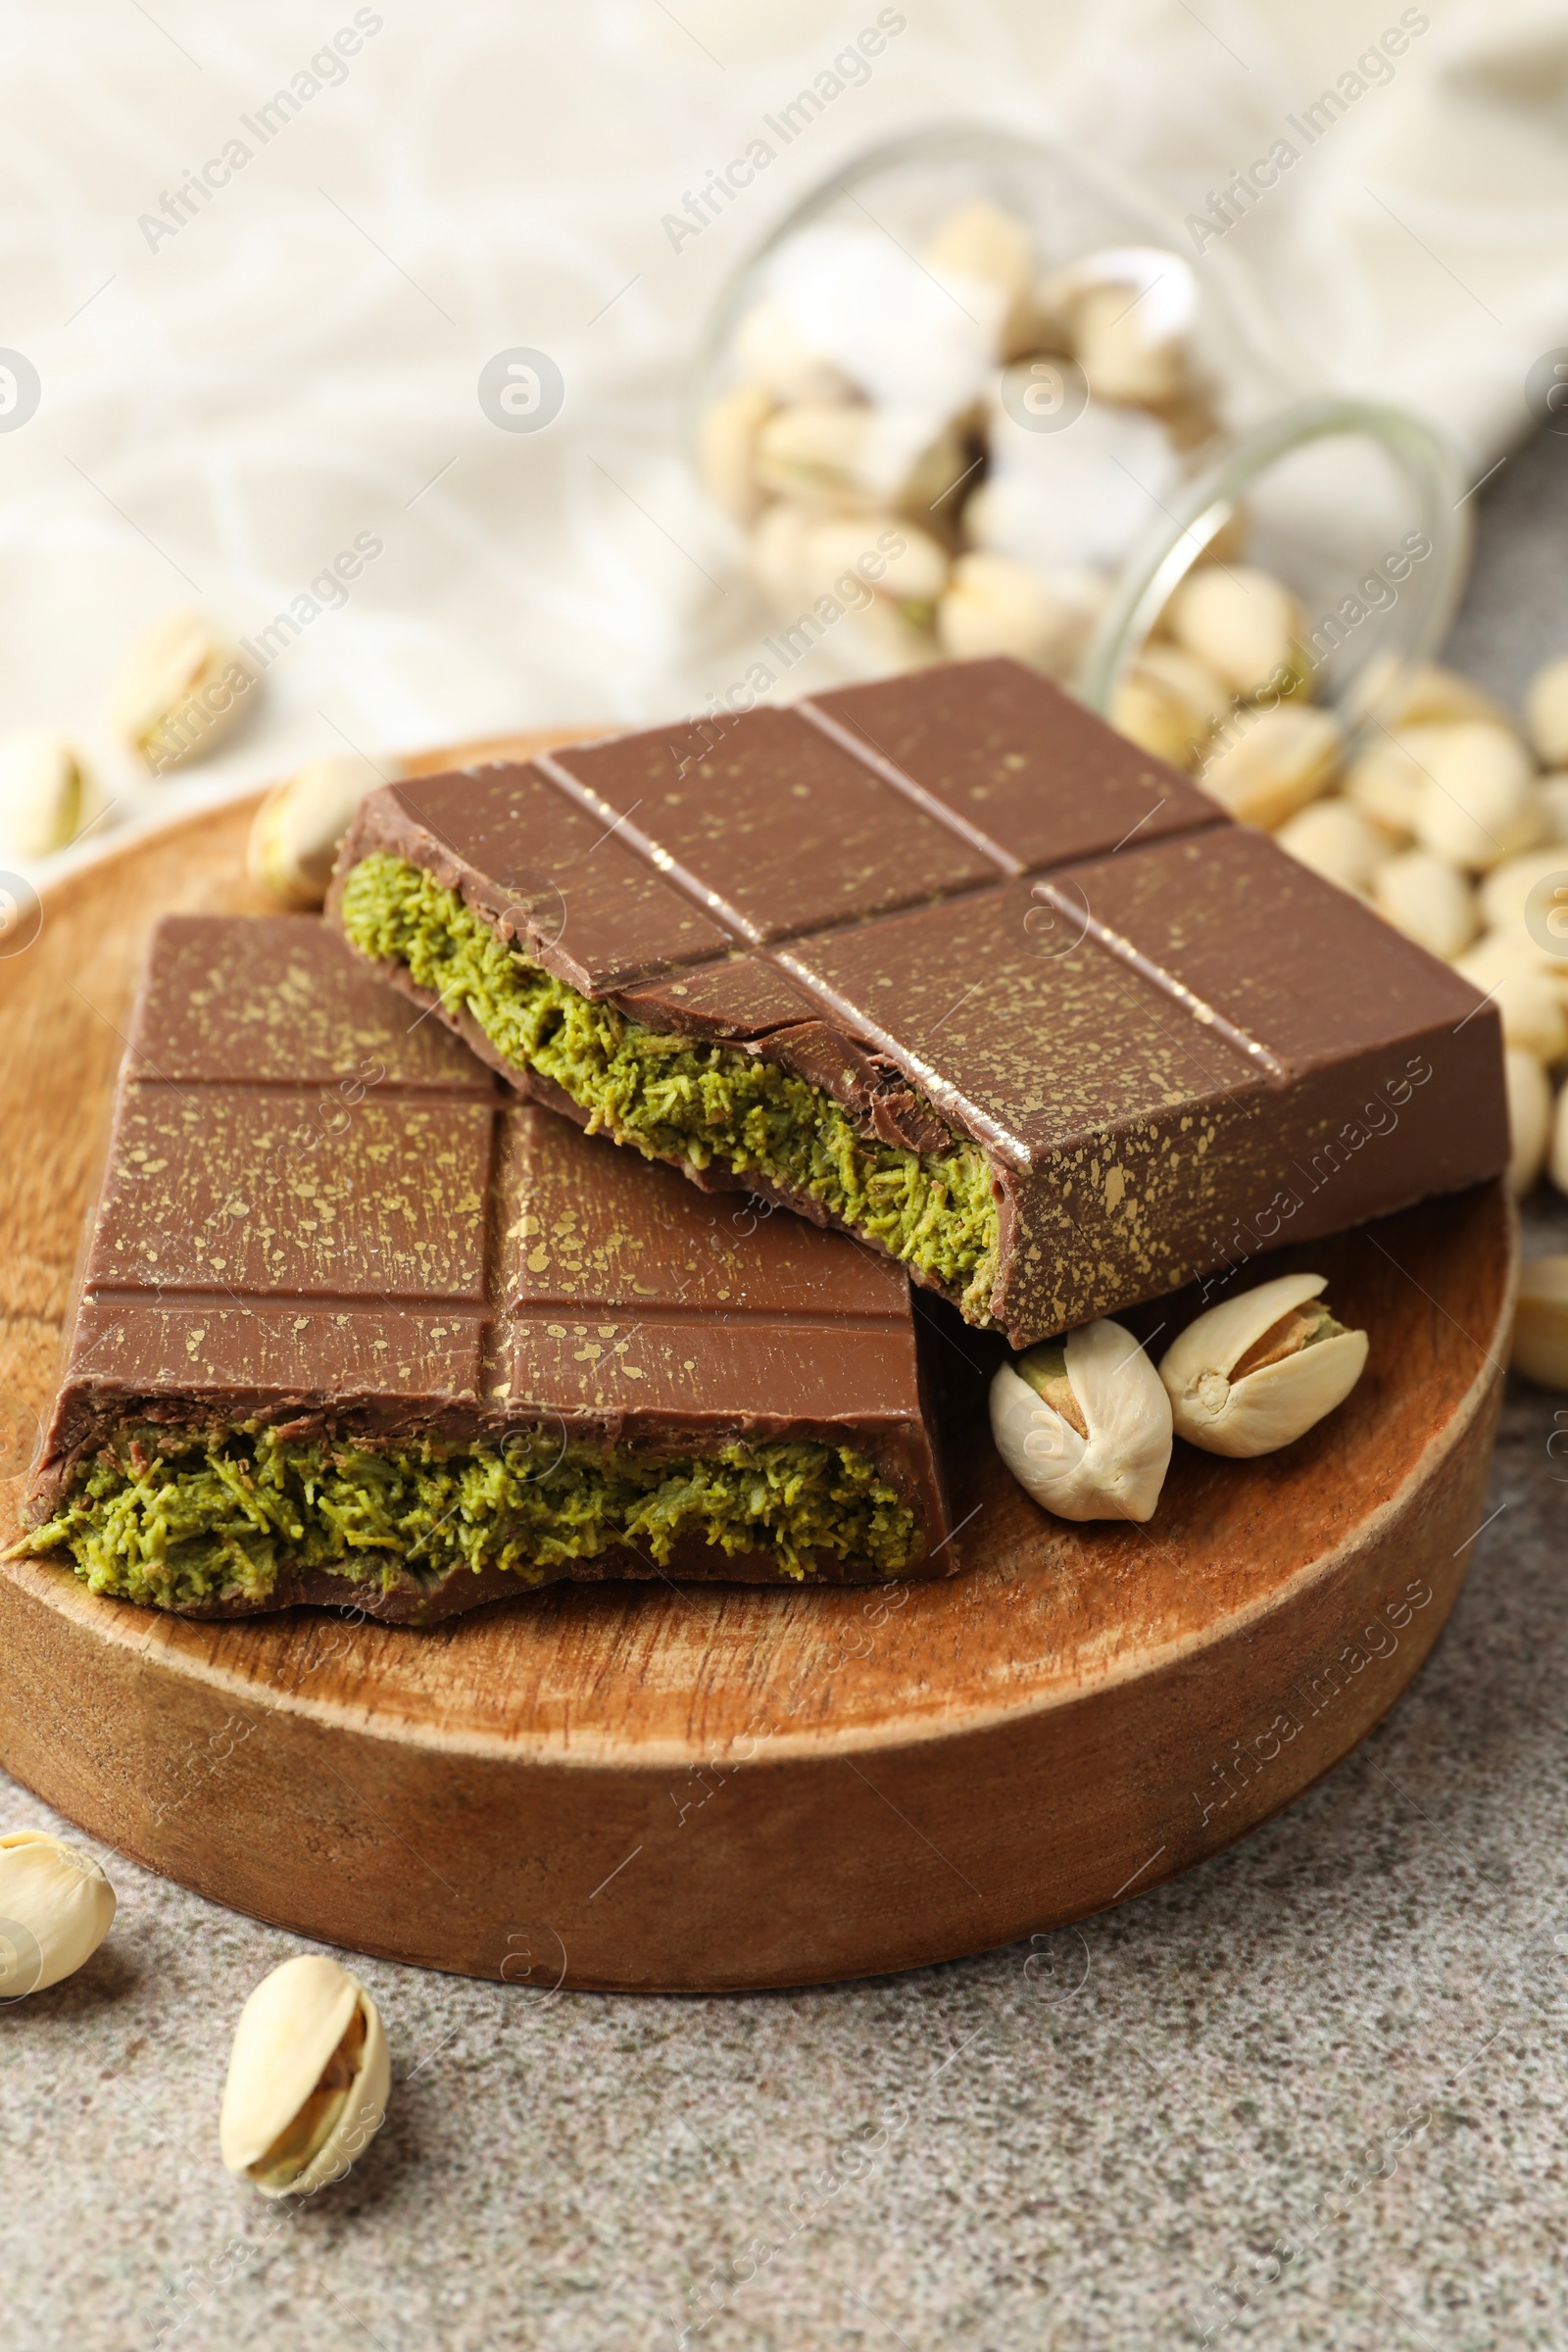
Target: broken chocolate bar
x=359, y=1327
x=947, y=963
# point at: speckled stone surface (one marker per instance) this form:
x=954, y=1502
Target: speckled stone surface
x=1310, y=2096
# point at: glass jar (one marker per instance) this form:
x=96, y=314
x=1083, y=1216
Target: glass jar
x=968, y=398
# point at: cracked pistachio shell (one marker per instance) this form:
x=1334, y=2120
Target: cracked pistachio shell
x=1118, y=1471
x=300, y=826
x=1270, y=1407
x=288, y=2032
x=56, y=1907
x=42, y=789
x=180, y=690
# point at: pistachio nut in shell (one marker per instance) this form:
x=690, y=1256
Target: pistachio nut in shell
x=1546, y=712
x=308, y=2077
x=1541, y=1322
x=1529, y=1092
x=726, y=449
x=299, y=827
x=56, y=1907
x=42, y=788
x=1242, y=623
x=1264, y=765
x=180, y=690
x=1258, y=1371
x=1084, y=1425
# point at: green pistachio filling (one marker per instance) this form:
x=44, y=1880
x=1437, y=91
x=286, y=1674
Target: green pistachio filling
x=674, y=1098
x=176, y=1520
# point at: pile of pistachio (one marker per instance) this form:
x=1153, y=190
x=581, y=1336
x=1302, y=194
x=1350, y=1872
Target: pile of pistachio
x=173, y=701
x=1451, y=821
x=936, y=405
x=308, y=2073
x=1085, y=1423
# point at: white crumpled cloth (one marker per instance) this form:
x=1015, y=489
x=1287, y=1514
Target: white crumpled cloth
x=225, y=406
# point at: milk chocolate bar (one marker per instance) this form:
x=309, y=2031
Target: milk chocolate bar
x=358, y=1326
x=947, y=963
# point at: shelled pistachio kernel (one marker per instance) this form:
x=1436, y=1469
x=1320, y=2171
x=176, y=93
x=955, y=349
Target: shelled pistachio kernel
x=1257, y=1372
x=180, y=690
x=42, y=790
x=1541, y=1322
x=308, y=2077
x=56, y=1907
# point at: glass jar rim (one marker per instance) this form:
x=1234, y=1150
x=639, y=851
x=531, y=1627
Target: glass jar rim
x=958, y=138
x=1175, y=543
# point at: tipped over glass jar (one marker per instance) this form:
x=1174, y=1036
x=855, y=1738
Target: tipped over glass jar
x=968, y=398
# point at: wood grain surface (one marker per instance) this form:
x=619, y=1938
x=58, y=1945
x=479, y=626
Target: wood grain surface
x=704, y=1786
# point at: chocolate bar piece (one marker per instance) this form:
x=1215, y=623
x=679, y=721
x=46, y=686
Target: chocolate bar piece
x=947, y=963
x=356, y=1326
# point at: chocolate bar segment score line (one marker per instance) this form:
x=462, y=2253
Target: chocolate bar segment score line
x=945, y=961
x=445, y=1348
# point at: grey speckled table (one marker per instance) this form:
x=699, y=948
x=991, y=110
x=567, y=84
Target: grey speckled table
x=1314, y=2089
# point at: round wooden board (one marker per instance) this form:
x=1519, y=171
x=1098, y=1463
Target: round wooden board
x=708, y=1787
